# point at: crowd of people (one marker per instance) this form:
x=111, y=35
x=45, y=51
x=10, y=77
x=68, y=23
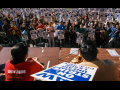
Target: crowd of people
x=105, y=34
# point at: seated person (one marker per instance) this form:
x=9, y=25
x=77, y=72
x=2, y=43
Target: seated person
x=107, y=70
x=20, y=67
x=1, y=47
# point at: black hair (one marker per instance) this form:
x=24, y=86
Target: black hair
x=18, y=52
x=88, y=50
x=117, y=23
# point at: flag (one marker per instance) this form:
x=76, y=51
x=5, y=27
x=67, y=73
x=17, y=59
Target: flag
x=33, y=34
x=110, y=17
x=79, y=39
x=94, y=15
x=40, y=32
x=103, y=17
x=25, y=37
x=45, y=35
x=60, y=34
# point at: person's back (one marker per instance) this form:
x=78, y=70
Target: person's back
x=107, y=70
x=21, y=71
x=20, y=67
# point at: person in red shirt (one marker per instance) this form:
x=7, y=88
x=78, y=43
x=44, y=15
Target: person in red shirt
x=39, y=26
x=20, y=67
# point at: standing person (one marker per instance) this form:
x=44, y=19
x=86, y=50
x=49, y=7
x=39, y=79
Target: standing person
x=50, y=30
x=20, y=66
x=72, y=35
x=114, y=35
x=7, y=29
x=67, y=32
x=33, y=28
x=1, y=24
x=15, y=31
x=56, y=32
x=61, y=27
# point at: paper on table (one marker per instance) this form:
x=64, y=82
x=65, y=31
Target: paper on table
x=113, y=52
x=74, y=51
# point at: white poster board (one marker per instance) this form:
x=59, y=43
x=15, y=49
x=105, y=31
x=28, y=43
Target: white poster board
x=33, y=34
x=40, y=33
x=25, y=37
x=79, y=39
x=60, y=34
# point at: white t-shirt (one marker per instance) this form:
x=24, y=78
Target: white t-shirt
x=56, y=32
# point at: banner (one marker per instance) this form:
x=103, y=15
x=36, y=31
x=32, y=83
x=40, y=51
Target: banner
x=33, y=34
x=65, y=17
x=110, y=17
x=48, y=17
x=60, y=34
x=95, y=15
x=103, y=17
x=45, y=35
x=66, y=72
x=40, y=32
x=25, y=37
x=118, y=17
x=91, y=33
x=79, y=39
x=73, y=17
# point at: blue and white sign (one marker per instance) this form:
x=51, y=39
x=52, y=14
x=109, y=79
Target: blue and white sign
x=33, y=34
x=60, y=34
x=66, y=72
x=48, y=16
x=79, y=39
x=73, y=17
x=45, y=35
x=94, y=15
x=25, y=37
x=118, y=17
x=42, y=11
x=103, y=9
x=57, y=15
x=110, y=17
x=91, y=33
x=103, y=17
x=40, y=32
x=65, y=17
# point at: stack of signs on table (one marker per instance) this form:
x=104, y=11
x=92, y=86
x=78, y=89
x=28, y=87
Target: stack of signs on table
x=79, y=39
x=95, y=15
x=91, y=33
x=25, y=37
x=60, y=34
x=65, y=17
x=45, y=35
x=103, y=17
x=40, y=33
x=110, y=17
x=33, y=34
x=48, y=17
x=66, y=72
x=72, y=17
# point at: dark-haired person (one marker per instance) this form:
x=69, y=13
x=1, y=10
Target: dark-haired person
x=20, y=67
x=107, y=70
x=114, y=35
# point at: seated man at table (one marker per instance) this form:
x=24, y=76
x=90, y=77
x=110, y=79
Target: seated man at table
x=20, y=67
x=107, y=70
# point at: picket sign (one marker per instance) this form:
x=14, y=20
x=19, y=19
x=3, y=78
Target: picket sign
x=33, y=34
x=60, y=34
x=79, y=39
x=45, y=35
x=66, y=72
x=40, y=33
x=103, y=17
x=92, y=32
x=25, y=37
x=110, y=17
x=94, y=15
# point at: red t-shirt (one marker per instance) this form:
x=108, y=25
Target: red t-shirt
x=21, y=71
x=39, y=27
